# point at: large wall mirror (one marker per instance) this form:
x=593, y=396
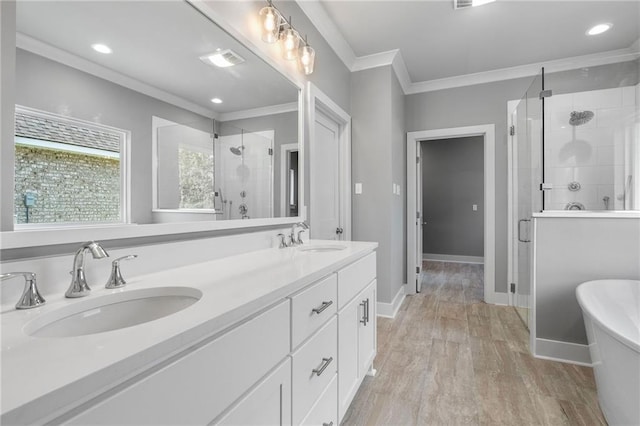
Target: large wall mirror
x=147, y=113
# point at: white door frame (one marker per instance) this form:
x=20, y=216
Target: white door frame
x=285, y=149
x=318, y=100
x=488, y=133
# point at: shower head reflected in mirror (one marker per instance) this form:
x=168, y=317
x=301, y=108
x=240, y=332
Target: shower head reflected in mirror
x=237, y=150
x=578, y=118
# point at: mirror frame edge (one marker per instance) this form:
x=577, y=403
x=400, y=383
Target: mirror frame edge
x=12, y=239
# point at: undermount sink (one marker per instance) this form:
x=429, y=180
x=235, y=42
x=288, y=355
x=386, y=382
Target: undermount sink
x=321, y=248
x=112, y=312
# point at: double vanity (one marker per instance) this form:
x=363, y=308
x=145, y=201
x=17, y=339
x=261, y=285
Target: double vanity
x=274, y=336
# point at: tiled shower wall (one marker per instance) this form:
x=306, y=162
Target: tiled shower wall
x=598, y=155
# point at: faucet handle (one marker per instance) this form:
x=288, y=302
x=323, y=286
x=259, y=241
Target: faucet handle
x=283, y=240
x=115, y=279
x=31, y=297
x=299, y=239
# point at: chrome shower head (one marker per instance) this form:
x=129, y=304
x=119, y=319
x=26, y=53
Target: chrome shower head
x=237, y=150
x=578, y=118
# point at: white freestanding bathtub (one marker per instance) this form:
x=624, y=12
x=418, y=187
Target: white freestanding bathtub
x=611, y=311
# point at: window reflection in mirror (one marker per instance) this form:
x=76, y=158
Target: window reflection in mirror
x=205, y=161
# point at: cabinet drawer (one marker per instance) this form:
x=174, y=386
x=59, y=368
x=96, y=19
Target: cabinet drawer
x=196, y=388
x=319, y=354
x=313, y=307
x=325, y=411
x=269, y=403
x=355, y=277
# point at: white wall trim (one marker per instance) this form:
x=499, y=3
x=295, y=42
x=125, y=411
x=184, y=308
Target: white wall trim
x=319, y=100
x=529, y=70
x=390, y=310
x=452, y=258
x=488, y=133
x=400, y=68
x=259, y=112
x=325, y=25
x=554, y=350
x=374, y=61
x=58, y=55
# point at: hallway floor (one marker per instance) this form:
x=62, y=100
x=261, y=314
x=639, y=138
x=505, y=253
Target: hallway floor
x=450, y=359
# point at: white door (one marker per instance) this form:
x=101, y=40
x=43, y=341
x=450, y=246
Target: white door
x=419, y=219
x=325, y=180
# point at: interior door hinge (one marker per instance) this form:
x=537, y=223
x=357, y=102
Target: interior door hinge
x=512, y=287
x=417, y=160
x=417, y=269
x=546, y=186
x=512, y=130
x=270, y=151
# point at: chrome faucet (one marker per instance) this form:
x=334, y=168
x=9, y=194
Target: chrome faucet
x=31, y=297
x=115, y=279
x=296, y=238
x=79, y=286
x=283, y=240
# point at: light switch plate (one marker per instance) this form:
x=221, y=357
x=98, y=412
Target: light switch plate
x=475, y=207
x=358, y=189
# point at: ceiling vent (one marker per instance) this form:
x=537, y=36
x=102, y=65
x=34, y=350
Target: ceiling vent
x=463, y=4
x=222, y=58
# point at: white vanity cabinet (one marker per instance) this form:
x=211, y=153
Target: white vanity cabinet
x=298, y=361
x=356, y=328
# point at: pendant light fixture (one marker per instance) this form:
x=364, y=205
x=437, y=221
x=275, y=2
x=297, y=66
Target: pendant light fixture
x=290, y=40
x=306, y=58
x=270, y=23
x=275, y=27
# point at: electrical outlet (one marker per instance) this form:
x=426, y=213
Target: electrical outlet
x=475, y=207
x=358, y=189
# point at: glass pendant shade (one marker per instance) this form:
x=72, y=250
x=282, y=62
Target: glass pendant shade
x=270, y=21
x=290, y=41
x=306, y=59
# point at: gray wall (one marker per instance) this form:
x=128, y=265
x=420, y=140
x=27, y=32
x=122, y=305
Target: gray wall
x=285, y=126
x=486, y=104
x=50, y=86
x=378, y=151
x=452, y=181
x=7, y=107
x=571, y=251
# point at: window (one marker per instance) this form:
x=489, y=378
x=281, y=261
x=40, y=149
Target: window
x=67, y=170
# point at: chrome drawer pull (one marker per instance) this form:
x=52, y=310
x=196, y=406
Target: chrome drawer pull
x=327, y=424
x=324, y=306
x=325, y=364
x=364, y=312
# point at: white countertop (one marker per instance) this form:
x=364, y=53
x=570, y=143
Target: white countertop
x=44, y=377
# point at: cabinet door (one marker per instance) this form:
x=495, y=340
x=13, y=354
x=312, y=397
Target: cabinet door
x=348, y=354
x=367, y=329
x=269, y=403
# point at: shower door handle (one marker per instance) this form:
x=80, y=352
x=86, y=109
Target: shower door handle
x=519, y=231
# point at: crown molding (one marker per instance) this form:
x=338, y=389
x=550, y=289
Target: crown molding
x=258, y=112
x=374, y=61
x=62, y=56
x=400, y=68
x=529, y=70
x=328, y=29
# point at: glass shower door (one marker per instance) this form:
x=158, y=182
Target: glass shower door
x=527, y=178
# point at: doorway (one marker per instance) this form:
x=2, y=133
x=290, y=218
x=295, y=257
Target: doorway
x=452, y=199
x=414, y=204
x=329, y=168
x=289, y=180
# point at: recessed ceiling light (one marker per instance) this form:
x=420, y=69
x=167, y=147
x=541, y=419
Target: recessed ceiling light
x=222, y=58
x=599, y=29
x=216, y=100
x=102, y=48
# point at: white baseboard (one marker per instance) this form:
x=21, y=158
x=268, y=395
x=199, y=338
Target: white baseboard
x=554, y=350
x=452, y=258
x=389, y=310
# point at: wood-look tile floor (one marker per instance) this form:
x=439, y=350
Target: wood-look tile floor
x=450, y=359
